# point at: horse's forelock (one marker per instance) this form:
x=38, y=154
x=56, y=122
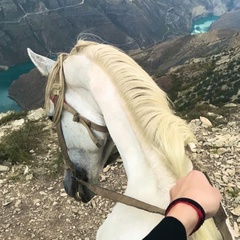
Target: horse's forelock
x=56, y=88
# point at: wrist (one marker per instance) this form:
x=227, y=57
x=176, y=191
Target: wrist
x=186, y=215
x=188, y=212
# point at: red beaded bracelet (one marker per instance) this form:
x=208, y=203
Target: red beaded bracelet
x=200, y=211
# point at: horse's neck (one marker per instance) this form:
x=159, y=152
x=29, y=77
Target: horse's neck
x=136, y=154
x=127, y=222
x=134, y=151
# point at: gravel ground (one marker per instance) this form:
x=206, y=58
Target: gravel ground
x=34, y=204
x=218, y=154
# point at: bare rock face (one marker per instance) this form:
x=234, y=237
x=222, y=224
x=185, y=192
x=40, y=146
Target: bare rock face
x=203, y=10
x=49, y=27
x=228, y=20
x=28, y=91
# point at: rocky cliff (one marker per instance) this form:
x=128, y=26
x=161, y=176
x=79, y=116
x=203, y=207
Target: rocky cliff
x=53, y=26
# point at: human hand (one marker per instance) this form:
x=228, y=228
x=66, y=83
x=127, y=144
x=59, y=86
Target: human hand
x=194, y=186
x=197, y=187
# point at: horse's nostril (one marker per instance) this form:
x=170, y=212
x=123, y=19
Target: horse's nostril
x=81, y=174
x=50, y=118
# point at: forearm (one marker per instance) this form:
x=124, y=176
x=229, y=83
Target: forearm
x=169, y=228
x=180, y=221
x=186, y=215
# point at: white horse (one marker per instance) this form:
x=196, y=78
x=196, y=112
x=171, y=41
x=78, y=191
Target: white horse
x=110, y=89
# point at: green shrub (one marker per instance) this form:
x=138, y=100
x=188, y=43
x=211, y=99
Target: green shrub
x=233, y=192
x=15, y=146
x=57, y=164
x=12, y=116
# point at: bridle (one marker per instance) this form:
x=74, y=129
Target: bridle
x=84, y=121
x=97, y=190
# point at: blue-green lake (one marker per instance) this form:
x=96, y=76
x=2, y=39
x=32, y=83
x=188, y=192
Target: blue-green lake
x=6, y=79
x=202, y=25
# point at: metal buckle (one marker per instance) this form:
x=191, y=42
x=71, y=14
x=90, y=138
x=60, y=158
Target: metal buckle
x=56, y=88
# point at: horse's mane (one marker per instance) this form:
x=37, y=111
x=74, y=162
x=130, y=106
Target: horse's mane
x=148, y=103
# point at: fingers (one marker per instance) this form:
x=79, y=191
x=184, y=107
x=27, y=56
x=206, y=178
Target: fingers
x=196, y=186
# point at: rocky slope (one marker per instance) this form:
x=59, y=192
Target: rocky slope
x=53, y=26
x=159, y=58
x=35, y=206
x=214, y=80
x=196, y=69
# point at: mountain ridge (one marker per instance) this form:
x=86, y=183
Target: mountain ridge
x=49, y=27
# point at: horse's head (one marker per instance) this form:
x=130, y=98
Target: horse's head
x=88, y=145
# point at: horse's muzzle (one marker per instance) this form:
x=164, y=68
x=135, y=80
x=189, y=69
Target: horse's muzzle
x=74, y=189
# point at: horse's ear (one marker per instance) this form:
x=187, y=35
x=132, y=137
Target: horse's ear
x=43, y=64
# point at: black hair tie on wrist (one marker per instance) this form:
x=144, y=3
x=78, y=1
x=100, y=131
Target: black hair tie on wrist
x=200, y=211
